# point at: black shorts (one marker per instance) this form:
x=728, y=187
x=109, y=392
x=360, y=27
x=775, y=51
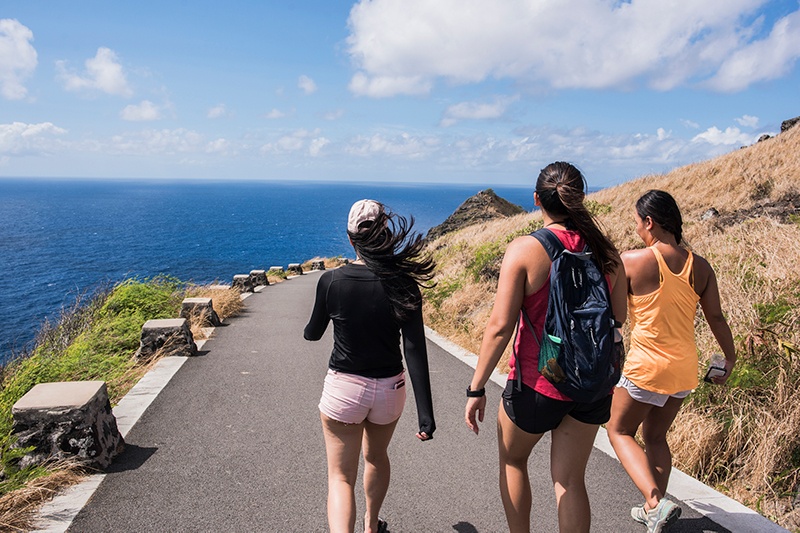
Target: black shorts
x=534, y=412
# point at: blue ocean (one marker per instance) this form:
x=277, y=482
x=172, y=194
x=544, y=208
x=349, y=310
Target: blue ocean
x=62, y=238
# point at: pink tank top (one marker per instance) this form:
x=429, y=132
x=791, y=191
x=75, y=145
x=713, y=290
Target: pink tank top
x=526, y=346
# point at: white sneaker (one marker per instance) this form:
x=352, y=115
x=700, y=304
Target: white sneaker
x=663, y=517
x=639, y=514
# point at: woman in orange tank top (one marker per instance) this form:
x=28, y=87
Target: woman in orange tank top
x=665, y=284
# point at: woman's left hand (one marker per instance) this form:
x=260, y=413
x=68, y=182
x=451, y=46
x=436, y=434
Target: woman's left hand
x=424, y=436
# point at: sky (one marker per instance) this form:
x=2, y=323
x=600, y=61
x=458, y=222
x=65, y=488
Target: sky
x=389, y=91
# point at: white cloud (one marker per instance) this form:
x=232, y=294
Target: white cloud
x=218, y=146
x=18, y=58
x=295, y=142
x=476, y=110
x=334, y=115
x=306, y=84
x=103, y=73
x=20, y=138
x=274, y=114
x=747, y=121
x=402, y=145
x=384, y=86
x=218, y=111
x=316, y=146
x=761, y=60
x=404, y=46
x=144, y=112
x=730, y=137
x=692, y=125
x=154, y=142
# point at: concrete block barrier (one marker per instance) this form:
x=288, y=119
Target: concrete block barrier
x=67, y=420
x=171, y=336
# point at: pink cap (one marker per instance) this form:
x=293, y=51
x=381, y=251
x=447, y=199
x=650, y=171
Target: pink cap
x=362, y=211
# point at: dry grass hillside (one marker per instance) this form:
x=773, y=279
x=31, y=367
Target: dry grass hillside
x=744, y=438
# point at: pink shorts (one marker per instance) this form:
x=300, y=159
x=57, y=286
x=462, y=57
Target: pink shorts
x=351, y=399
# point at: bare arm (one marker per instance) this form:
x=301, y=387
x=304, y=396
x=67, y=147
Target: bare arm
x=514, y=283
x=712, y=310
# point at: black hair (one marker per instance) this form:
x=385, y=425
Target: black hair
x=393, y=253
x=663, y=210
x=561, y=189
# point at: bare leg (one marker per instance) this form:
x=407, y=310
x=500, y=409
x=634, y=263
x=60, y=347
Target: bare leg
x=515, y=448
x=649, y=469
x=569, y=454
x=377, y=469
x=342, y=447
x=654, y=434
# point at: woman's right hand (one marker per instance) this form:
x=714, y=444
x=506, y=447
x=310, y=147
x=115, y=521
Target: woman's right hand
x=475, y=405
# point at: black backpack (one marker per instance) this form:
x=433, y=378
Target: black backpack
x=576, y=352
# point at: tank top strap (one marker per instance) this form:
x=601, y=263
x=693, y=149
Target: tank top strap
x=662, y=265
x=686, y=273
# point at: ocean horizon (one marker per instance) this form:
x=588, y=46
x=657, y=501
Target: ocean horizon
x=61, y=238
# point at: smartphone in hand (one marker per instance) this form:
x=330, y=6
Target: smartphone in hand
x=716, y=368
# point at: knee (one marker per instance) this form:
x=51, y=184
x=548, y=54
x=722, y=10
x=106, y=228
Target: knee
x=376, y=457
x=654, y=439
x=568, y=478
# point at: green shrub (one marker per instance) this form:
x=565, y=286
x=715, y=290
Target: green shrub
x=441, y=291
x=277, y=274
x=532, y=226
x=485, y=263
x=596, y=208
x=773, y=312
x=91, y=341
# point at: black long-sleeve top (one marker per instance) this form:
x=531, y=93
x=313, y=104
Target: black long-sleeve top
x=367, y=335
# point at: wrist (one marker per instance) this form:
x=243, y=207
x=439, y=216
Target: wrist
x=475, y=393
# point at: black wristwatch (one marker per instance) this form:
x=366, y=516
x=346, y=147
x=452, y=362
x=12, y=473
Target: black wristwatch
x=475, y=393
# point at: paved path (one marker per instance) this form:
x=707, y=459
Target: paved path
x=233, y=443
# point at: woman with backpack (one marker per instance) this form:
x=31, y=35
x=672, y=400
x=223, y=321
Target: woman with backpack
x=665, y=283
x=534, y=406
x=371, y=302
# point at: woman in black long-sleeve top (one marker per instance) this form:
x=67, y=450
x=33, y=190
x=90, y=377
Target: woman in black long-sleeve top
x=371, y=302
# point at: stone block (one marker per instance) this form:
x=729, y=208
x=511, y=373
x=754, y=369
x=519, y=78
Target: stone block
x=171, y=336
x=295, y=268
x=67, y=420
x=276, y=269
x=258, y=277
x=202, y=308
x=243, y=283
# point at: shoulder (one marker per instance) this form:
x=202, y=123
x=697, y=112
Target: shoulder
x=525, y=248
x=702, y=271
x=637, y=257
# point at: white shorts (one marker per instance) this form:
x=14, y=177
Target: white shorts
x=645, y=396
x=351, y=399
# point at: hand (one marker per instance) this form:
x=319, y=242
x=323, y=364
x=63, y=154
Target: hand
x=720, y=380
x=424, y=436
x=474, y=405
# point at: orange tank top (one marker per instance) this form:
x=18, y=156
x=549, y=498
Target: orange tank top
x=663, y=356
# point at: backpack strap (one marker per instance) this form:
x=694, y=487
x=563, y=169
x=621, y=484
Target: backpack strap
x=527, y=321
x=552, y=244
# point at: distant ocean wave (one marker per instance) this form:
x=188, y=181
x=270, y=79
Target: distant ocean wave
x=60, y=238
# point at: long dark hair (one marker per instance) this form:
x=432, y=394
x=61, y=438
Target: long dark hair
x=393, y=253
x=561, y=189
x=662, y=209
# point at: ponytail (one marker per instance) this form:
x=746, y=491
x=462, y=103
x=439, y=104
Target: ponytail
x=561, y=189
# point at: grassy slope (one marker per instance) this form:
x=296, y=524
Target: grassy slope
x=745, y=438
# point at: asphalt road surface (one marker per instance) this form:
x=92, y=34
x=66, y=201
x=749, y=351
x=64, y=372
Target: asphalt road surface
x=234, y=443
